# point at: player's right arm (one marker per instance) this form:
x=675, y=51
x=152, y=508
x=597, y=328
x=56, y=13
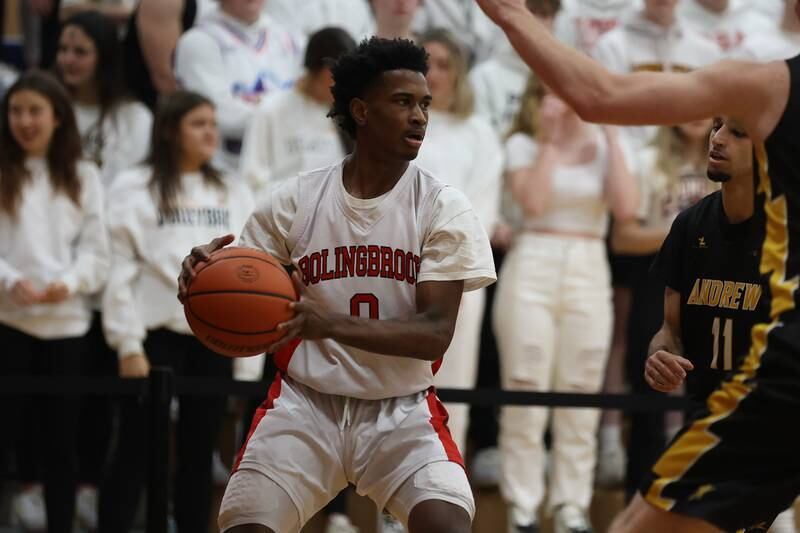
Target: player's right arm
x=665, y=368
x=753, y=93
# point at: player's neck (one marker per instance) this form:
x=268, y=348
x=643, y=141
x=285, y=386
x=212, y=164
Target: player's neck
x=366, y=176
x=738, y=200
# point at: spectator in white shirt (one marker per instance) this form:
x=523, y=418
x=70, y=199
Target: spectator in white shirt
x=728, y=22
x=462, y=149
x=53, y=255
x=291, y=132
x=393, y=18
x=115, y=129
x=309, y=16
x=780, y=41
x=177, y=199
x=582, y=22
x=466, y=21
x=654, y=39
x=500, y=81
x=235, y=56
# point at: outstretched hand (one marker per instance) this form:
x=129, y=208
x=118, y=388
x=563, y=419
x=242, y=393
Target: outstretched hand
x=665, y=371
x=199, y=254
x=311, y=319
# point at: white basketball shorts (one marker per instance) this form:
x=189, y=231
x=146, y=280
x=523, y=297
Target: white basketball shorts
x=307, y=446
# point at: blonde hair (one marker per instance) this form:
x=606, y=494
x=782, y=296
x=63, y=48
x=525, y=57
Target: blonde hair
x=671, y=147
x=463, y=104
x=527, y=118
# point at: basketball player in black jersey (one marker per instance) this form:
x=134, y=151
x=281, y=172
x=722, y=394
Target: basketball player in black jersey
x=709, y=265
x=737, y=463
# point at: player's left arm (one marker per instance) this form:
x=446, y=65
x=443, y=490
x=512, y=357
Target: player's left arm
x=426, y=335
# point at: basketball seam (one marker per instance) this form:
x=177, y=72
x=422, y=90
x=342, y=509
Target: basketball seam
x=224, y=330
x=238, y=291
x=267, y=261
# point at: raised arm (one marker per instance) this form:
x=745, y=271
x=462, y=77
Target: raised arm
x=754, y=93
x=158, y=23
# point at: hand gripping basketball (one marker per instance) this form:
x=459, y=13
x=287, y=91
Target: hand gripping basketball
x=199, y=254
x=234, y=298
x=311, y=319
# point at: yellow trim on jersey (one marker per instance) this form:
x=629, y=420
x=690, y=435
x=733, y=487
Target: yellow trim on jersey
x=697, y=440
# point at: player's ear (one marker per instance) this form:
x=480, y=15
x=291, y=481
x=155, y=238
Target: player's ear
x=358, y=110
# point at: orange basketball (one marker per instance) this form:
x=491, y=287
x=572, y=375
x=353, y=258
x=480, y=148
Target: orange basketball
x=236, y=301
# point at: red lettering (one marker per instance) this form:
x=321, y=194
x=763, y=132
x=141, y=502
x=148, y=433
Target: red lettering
x=399, y=265
x=315, y=267
x=302, y=265
x=361, y=262
x=326, y=274
x=411, y=276
x=373, y=270
x=387, y=265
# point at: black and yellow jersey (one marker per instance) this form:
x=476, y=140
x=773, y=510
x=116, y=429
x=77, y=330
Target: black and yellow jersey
x=713, y=264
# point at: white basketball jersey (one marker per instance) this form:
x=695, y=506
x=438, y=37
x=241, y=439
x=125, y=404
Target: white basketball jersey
x=364, y=258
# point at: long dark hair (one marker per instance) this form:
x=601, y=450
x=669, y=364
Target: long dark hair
x=108, y=72
x=165, y=150
x=63, y=152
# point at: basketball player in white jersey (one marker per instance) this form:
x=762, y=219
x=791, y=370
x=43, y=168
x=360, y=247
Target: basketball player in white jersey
x=373, y=237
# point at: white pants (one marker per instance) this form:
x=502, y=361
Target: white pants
x=552, y=319
x=460, y=365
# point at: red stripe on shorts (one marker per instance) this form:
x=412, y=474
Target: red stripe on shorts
x=285, y=354
x=272, y=395
x=436, y=365
x=439, y=419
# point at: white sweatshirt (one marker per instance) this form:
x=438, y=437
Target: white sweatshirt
x=147, y=250
x=640, y=45
x=580, y=23
x=466, y=154
x=289, y=133
x=498, y=84
x=121, y=142
x=308, y=16
x=730, y=29
x=53, y=239
x=465, y=19
x=235, y=65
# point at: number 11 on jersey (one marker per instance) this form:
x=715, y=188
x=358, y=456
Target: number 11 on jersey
x=727, y=349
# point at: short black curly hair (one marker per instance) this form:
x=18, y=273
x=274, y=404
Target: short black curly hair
x=356, y=71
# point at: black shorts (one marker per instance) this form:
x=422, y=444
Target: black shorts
x=737, y=463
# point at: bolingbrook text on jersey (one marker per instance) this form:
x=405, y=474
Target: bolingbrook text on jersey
x=210, y=217
x=359, y=261
x=725, y=294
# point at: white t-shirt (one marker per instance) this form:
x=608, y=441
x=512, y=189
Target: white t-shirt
x=730, y=29
x=663, y=198
x=308, y=16
x=577, y=196
x=148, y=248
x=466, y=20
x=499, y=84
x=640, y=45
x=365, y=258
x=235, y=65
x=289, y=133
x=121, y=142
x=772, y=45
x=466, y=154
x=52, y=239
x=580, y=23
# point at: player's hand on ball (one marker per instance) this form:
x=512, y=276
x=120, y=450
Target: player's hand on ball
x=54, y=293
x=665, y=371
x=310, y=318
x=23, y=293
x=134, y=366
x=199, y=254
